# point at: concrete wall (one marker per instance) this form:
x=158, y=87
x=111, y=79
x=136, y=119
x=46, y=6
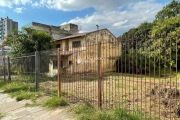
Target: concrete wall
x=72, y=28
x=55, y=31
x=101, y=35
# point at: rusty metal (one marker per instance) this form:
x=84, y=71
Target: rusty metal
x=99, y=77
x=59, y=73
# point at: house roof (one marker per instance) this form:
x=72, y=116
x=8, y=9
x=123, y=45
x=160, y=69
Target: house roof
x=73, y=36
x=79, y=35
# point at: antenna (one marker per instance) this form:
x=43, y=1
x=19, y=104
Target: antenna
x=79, y=28
x=97, y=27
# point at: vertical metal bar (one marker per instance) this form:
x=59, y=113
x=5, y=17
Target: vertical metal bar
x=99, y=77
x=129, y=58
x=108, y=77
x=137, y=71
x=141, y=89
x=176, y=97
x=9, y=74
x=122, y=73
x=118, y=69
x=4, y=66
x=59, y=72
x=145, y=46
x=170, y=71
x=133, y=56
x=36, y=70
x=159, y=76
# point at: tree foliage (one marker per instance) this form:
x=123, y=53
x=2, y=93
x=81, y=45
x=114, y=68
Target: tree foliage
x=26, y=42
x=170, y=10
x=29, y=40
x=157, y=43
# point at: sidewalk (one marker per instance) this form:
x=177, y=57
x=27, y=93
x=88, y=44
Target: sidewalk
x=13, y=110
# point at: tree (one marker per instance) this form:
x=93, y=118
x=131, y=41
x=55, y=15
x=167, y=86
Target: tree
x=170, y=10
x=161, y=46
x=26, y=42
x=29, y=40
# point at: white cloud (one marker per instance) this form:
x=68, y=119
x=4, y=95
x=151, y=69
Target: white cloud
x=18, y=10
x=11, y=3
x=118, y=24
x=119, y=21
x=69, y=5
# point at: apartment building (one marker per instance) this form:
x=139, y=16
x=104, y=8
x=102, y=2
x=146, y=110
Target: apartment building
x=7, y=26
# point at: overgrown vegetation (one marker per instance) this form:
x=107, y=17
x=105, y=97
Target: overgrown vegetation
x=19, y=90
x=44, y=78
x=29, y=40
x=89, y=79
x=153, y=46
x=85, y=111
x=24, y=78
x=26, y=43
x=55, y=102
x=1, y=115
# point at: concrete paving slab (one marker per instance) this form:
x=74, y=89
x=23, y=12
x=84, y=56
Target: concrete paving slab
x=22, y=113
x=10, y=106
x=14, y=110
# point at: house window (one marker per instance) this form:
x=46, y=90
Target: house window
x=70, y=62
x=62, y=64
x=55, y=64
x=76, y=44
x=58, y=45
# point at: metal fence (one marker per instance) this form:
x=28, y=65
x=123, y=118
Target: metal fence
x=34, y=69
x=139, y=74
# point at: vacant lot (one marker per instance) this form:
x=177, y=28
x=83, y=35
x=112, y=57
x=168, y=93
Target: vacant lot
x=155, y=96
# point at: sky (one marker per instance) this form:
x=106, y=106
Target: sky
x=116, y=15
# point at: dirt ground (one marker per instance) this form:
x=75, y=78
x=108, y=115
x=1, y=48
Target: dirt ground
x=156, y=97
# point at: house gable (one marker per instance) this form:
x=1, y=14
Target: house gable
x=103, y=35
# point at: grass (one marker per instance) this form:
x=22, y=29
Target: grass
x=24, y=78
x=19, y=90
x=55, y=102
x=1, y=115
x=85, y=111
x=44, y=78
x=89, y=79
x=134, y=87
x=119, y=85
x=49, y=92
x=157, y=77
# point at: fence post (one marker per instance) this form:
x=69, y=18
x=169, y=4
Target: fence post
x=37, y=69
x=59, y=72
x=4, y=68
x=8, y=68
x=99, y=76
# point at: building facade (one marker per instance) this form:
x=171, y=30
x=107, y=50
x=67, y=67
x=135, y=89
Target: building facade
x=6, y=27
x=79, y=52
x=56, y=32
